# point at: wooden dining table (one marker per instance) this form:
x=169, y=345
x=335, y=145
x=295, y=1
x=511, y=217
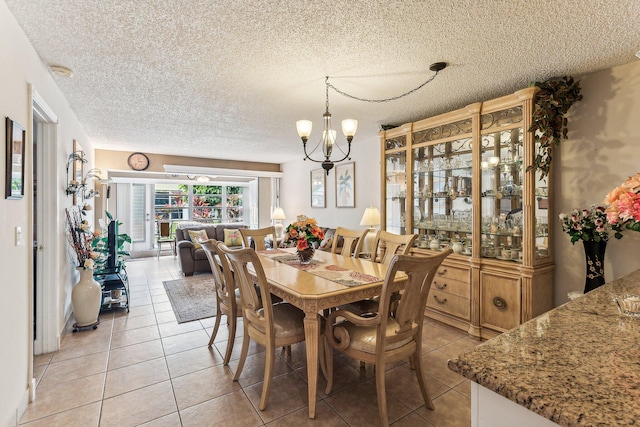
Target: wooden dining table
x=313, y=293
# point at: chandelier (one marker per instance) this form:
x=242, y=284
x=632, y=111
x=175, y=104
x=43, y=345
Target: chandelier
x=349, y=126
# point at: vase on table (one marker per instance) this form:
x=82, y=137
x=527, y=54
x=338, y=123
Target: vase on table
x=305, y=255
x=86, y=299
x=594, y=254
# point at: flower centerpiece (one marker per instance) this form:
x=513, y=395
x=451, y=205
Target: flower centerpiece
x=591, y=227
x=623, y=204
x=304, y=234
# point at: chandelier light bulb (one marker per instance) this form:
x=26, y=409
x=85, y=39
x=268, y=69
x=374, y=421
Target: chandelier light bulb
x=304, y=128
x=494, y=160
x=349, y=127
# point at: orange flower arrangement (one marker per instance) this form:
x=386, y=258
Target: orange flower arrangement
x=304, y=232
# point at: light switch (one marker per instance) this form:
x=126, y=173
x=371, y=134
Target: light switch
x=18, y=236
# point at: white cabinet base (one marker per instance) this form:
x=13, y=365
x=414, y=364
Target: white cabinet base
x=489, y=409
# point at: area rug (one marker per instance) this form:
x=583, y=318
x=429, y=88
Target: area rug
x=192, y=298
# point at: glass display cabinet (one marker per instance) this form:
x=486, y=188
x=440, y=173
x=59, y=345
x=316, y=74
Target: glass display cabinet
x=461, y=180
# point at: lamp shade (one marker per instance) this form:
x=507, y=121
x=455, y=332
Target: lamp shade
x=278, y=213
x=371, y=217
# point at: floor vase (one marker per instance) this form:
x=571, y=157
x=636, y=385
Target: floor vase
x=86, y=298
x=594, y=254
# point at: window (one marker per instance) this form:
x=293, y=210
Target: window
x=206, y=203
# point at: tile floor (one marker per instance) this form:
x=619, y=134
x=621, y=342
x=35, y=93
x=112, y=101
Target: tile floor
x=143, y=368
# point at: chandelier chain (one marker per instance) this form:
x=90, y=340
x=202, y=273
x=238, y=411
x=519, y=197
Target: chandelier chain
x=329, y=85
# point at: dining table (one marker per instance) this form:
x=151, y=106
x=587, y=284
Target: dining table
x=329, y=281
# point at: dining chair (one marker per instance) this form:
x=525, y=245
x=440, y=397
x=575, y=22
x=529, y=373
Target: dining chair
x=277, y=325
x=165, y=236
x=227, y=295
x=352, y=241
x=388, y=336
x=259, y=237
x=386, y=245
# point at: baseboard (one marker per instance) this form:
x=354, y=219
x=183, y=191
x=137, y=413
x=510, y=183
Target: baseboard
x=22, y=407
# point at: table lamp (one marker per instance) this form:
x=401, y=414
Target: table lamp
x=277, y=216
x=371, y=219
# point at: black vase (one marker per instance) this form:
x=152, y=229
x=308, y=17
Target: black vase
x=594, y=254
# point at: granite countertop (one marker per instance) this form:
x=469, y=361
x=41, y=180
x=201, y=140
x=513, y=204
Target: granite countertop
x=577, y=365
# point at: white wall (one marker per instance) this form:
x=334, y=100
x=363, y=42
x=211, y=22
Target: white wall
x=21, y=66
x=295, y=191
x=603, y=150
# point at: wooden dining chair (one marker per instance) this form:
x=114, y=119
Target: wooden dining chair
x=387, y=337
x=227, y=295
x=352, y=241
x=258, y=237
x=386, y=245
x=277, y=325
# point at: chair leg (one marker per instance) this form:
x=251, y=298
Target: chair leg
x=268, y=376
x=417, y=362
x=328, y=359
x=232, y=337
x=243, y=353
x=382, y=396
x=216, y=325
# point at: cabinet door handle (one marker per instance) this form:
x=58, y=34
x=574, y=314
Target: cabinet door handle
x=499, y=302
x=441, y=272
x=441, y=287
x=438, y=300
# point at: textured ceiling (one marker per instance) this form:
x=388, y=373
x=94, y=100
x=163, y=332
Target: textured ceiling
x=228, y=79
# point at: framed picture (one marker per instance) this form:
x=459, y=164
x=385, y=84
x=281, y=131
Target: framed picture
x=346, y=185
x=14, y=188
x=318, y=187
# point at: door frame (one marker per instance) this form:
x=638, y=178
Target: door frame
x=48, y=301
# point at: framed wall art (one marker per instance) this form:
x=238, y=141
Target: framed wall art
x=346, y=185
x=318, y=187
x=14, y=179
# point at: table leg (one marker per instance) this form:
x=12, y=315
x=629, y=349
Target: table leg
x=312, y=337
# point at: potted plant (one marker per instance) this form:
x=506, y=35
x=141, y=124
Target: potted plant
x=549, y=126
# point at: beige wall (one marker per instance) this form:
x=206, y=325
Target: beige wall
x=21, y=66
x=603, y=150
x=117, y=160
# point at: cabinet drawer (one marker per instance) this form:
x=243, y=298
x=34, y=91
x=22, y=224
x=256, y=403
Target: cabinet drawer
x=451, y=286
x=448, y=303
x=500, y=301
x=455, y=273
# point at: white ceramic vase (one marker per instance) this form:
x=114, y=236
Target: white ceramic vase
x=86, y=298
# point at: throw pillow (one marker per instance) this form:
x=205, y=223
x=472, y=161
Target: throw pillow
x=232, y=237
x=196, y=236
x=326, y=243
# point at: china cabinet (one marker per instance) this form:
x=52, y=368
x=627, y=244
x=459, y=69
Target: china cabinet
x=460, y=180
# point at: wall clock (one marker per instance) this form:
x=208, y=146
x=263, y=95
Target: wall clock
x=138, y=161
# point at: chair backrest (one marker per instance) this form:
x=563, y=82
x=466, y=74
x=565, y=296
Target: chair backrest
x=409, y=310
x=258, y=237
x=251, y=303
x=222, y=275
x=352, y=241
x=164, y=229
x=388, y=244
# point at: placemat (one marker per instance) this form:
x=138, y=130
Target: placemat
x=319, y=268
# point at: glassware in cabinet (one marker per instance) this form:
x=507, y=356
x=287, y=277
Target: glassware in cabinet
x=396, y=192
x=502, y=178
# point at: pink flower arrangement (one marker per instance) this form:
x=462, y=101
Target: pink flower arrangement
x=624, y=204
x=588, y=225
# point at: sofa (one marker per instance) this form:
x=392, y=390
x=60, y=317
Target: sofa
x=194, y=259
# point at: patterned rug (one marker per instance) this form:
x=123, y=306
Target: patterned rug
x=192, y=298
